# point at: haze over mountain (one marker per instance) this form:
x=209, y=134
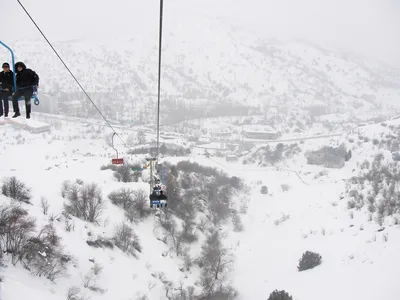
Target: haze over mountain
x=366, y=27
x=226, y=54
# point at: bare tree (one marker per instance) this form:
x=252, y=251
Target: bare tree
x=187, y=259
x=90, y=279
x=43, y=254
x=15, y=230
x=73, y=293
x=16, y=189
x=65, y=187
x=45, y=205
x=216, y=261
x=126, y=239
x=172, y=233
x=124, y=174
x=141, y=297
x=176, y=237
x=85, y=202
x=122, y=197
x=188, y=214
x=140, y=203
x=180, y=293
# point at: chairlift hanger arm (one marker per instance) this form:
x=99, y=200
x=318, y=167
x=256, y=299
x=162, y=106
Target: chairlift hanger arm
x=13, y=64
x=112, y=143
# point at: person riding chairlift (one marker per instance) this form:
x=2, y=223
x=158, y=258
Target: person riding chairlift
x=162, y=196
x=154, y=195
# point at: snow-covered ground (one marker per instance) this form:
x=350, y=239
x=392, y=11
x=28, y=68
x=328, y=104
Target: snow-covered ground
x=358, y=262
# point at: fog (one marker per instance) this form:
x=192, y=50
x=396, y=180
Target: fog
x=367, y=27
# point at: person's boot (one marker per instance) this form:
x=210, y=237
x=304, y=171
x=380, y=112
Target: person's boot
x=28, y=116
x=17, y=114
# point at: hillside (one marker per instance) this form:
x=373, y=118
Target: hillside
x=209, y=70
x=259, y=236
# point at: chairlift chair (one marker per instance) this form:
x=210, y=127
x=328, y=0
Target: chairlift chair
x=34, y=97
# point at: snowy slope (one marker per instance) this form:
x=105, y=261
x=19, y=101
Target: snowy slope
x=43, y=167
x=358, y=261
x=206, y=59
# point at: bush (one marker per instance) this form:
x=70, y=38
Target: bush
x=189, y=167
x=122, y=197
x=140, y=204
x=16, y=190
x=378, y=180
x=236, y=183
x=100, y=243
x=126, y=239
x=86, y=201
x=134, y=202
x=15, y=230
x=43, y=255
x=285, y=187
x=237, y=223
x=215, y=262
x=264, y=190
x=279, y=295
x=124, y=173
x=74, y=293
x=309, y=260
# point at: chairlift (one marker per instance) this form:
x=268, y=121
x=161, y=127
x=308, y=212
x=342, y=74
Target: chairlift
x=158, y=198
x=22, y=98
x=116, y=161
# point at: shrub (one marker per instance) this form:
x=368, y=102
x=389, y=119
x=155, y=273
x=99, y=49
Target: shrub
x=309, y=260
x=15, y=229
x=45, y=205
x=140, y=204
x=237, y=223
x=16, y=189
x=100, y=243
x=134, y=202
x=43, y=255
x=124, y=173
x=122, y=197
x=280, y=295
x=264, y=190
x=216, y=262
x=285, y=187
x=126, y=239
x=74, y=293
x=85, y=201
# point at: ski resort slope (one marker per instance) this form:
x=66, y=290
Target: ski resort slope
x=43, y=164
x=357, y=261
x=352, y=267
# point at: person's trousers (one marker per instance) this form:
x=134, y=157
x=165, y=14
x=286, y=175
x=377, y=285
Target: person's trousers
x=4, y=102
x=27, y=93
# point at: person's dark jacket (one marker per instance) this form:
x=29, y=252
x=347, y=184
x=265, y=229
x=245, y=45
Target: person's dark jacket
x=26, y=77
x=7, y=80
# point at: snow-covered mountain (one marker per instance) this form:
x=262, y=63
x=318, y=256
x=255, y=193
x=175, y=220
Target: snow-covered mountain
x=274, y=216
x=207, y=61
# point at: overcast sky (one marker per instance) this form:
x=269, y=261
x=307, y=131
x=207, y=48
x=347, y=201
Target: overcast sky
x=369, y=27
